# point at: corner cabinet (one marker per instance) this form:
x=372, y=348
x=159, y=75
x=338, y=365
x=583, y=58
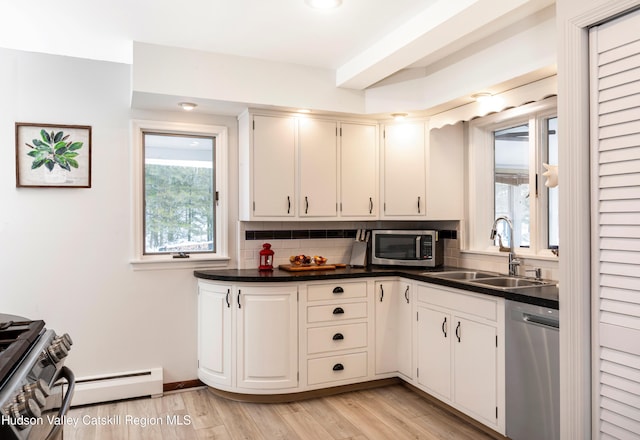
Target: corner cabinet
x=306, y=168
x=247, y=336
x=460, y=351
x=422, y=172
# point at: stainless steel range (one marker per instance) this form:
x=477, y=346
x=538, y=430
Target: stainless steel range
x=35, y=386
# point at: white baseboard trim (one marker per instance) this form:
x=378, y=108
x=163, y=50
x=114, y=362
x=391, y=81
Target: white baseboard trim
x=117, y=386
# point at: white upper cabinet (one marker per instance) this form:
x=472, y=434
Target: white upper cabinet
x=404, y=170
x=358, y=170
x=318, y=150
x=423, y=172
x=445, y=173
x=267, y=166
x=317, y=168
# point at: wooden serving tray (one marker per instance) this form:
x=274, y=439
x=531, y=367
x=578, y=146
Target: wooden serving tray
x=294, y=268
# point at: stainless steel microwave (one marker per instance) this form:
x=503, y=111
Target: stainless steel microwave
x=407, y=248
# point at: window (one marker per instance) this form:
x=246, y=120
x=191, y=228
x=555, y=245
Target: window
x=179, y=193
x=506, y=153
x=511, y=182
x=180, y=209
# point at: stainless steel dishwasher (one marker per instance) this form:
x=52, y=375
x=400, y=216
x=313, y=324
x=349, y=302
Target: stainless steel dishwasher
x=532, y=372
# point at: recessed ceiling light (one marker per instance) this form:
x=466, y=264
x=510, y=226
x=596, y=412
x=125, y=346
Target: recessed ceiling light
x=323, y=4
x=399, y=116
x=482, y=96
x=187, y=106
x=304, y=110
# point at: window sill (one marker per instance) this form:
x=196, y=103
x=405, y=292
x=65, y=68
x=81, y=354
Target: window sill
x=168, y=262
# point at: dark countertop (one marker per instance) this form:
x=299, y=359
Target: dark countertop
x=544, y=296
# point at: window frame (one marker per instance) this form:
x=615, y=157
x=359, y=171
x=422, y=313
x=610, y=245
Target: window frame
x=219, y=258
x=481, y=198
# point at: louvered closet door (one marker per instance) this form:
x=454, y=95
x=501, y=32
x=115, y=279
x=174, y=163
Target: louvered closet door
x=615, y=83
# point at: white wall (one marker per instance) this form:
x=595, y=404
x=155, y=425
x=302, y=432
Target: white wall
x=64, y=253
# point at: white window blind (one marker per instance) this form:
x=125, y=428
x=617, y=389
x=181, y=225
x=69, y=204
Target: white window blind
x=615, y=84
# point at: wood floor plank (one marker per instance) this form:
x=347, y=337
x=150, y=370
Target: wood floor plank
x=199, y=406
x=217, y=433
x=105, y=428
x=333, y=422
x=239, y=424
x=270, y=422
x=143, y=420
x=306, y=426
x=393, y=412
x=370, y=425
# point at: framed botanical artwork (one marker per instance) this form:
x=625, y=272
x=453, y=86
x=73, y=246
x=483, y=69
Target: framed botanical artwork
x=49, y=155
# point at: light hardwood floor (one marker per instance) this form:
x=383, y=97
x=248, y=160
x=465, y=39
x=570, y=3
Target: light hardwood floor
x=388, y=413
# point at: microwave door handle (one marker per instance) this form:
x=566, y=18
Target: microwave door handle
x=418, y=240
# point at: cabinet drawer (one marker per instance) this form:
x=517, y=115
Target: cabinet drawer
x=335, y=368
x=336, y=337
x=338, y=290
x=484, y=307
x=337, y=312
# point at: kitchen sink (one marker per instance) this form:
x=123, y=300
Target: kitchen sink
x=509, y=282
x=460, y=275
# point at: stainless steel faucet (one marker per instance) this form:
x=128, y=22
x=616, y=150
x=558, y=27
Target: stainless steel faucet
x=513, y=261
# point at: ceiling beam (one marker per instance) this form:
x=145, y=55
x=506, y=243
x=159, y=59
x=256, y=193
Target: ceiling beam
x=430, y=33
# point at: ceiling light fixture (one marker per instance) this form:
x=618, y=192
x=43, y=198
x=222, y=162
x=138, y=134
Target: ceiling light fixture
x=399, y=116
x=304, y=110
x=187, y=106
x=482, y=96
x=323, y=4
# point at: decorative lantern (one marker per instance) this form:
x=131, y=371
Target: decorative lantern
x=266, y=257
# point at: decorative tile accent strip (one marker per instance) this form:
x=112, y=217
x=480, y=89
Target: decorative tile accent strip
x=319, y=234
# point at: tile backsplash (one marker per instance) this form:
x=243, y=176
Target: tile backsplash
x=331, y=240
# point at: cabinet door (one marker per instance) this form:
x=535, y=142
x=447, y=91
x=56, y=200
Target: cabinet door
x=267, y=336
x=475, y=355
x=446, y=171
x=386, y=326
x=214, y=334
x=393, y=328
x=273, y=166
x=404, y=344
x=358, y=170
x=317, y=140
x=434, y=351
x=404, y=170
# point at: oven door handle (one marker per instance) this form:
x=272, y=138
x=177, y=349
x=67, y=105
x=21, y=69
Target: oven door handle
x=64, y=373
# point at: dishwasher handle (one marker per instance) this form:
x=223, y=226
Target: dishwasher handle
x=540, y=320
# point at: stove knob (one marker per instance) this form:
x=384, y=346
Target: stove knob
x=63, y=341
x=40, y=384
x=67, y=338
x=54, y=354
x=34, y=394
x=25, y=410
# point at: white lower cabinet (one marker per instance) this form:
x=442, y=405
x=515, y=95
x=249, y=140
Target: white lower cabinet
x=267, y=342
x=394, y=342
x=460, y=351
x=247, y=336
x=337, y=334
x=278, y=338
x=214, y=333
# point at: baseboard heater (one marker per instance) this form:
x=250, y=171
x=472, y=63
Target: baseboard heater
x=110, y=387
